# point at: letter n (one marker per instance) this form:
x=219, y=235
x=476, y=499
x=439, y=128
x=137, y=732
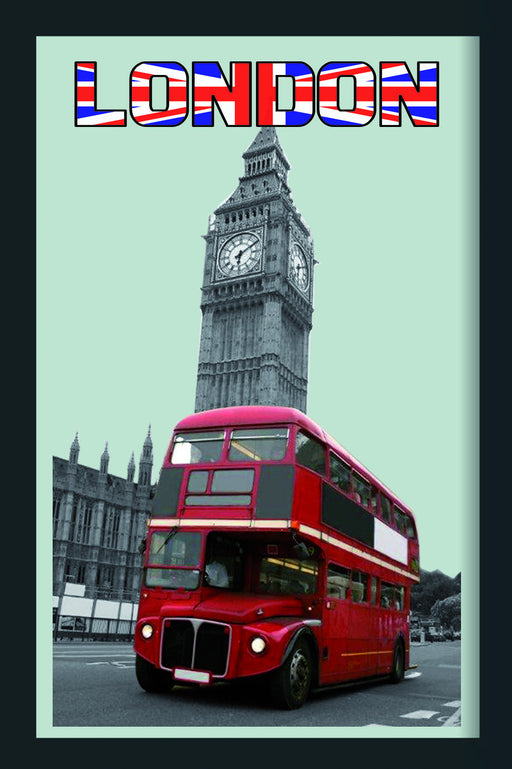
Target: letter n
x=398, y=88
x=211, y=87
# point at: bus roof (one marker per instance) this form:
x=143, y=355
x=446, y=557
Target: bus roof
x=260, y=415
x=249, y=415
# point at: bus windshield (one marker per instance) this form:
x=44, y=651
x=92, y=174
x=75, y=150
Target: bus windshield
x=173, y=560
x=195, y=448
x=257, y=445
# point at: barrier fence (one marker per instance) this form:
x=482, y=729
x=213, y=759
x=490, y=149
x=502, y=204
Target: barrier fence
x=76, y=616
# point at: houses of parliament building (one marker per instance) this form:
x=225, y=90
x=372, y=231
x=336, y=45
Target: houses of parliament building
x=257, y=306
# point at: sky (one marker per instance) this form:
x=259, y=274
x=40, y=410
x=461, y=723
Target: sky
x=121, y=212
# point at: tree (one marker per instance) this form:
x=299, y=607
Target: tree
x=447, y=611
x=434, y=586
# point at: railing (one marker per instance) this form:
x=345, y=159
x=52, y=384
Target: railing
x=91, y=629
x=93, y=614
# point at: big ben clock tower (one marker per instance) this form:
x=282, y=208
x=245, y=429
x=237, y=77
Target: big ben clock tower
x=257, y=292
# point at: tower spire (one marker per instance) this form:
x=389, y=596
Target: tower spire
x=74, y=451
x=131, y=468
x=104, y=460
x=146, y=460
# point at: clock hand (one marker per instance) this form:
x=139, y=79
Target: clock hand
x=243, y=250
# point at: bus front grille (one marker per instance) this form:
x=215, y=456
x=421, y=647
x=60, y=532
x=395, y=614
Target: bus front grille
x=196, y=645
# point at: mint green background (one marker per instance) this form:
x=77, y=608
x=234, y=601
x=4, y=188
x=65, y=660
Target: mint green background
x=394, y=215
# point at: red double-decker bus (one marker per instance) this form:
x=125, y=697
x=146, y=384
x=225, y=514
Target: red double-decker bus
x=272, y=551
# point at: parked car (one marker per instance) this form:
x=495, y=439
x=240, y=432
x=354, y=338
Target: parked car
x=434, y=634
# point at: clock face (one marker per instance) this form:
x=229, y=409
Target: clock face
x=299, y=267
x=240, y=254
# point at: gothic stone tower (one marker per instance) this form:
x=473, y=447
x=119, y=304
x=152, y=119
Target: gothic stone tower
x=257, y=293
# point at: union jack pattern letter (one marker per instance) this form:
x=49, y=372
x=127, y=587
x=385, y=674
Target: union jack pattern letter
x=329, y=82
x=233, y=101
x=397, y=87
x=175, y=111
x=86, y=113
x=269, y=113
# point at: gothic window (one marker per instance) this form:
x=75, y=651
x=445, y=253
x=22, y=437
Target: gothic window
x=56, y=513
x=70, y=572
x=105, y=581
x=73, y=520
x=80, y=574
x=111, y=527
x=83, y=523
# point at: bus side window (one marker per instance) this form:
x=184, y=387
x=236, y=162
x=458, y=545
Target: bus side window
x=373, y=591
x=374, y=502
x=399, y=520
x=338, y=581
x=386, y=595
x=310, y=453
x=399, y=598
x=410, y=531
x=361, y=488
x=385, y=508
x=340, y=473
x=359, y=587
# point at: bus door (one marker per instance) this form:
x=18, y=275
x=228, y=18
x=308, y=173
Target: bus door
x=361, y=613
x=348, y=623
x=336, y=624
x=391, y=621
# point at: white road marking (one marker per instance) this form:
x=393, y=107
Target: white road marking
x=117, y=663
x=454, y=719
x=421, y=714
x=81, y=655
x=412, y=675
x=454, y=704
x=449, y=666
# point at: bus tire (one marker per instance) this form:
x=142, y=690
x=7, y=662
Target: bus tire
x=150, y=678
x=292, y=681
x=398, y=668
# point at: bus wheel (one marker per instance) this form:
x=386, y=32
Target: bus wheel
x=398, y=669
x=292, y=682
x=150, y=678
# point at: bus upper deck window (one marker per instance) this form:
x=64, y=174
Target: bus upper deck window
x=362, y=488
x=196, y=448
x=385, y=508
x=404, y=523
x=258, y=444
x=310, y=453
x=340, y=473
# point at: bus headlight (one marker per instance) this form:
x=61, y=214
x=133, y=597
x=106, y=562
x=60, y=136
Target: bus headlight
x=258, y=644
x=146, y=631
